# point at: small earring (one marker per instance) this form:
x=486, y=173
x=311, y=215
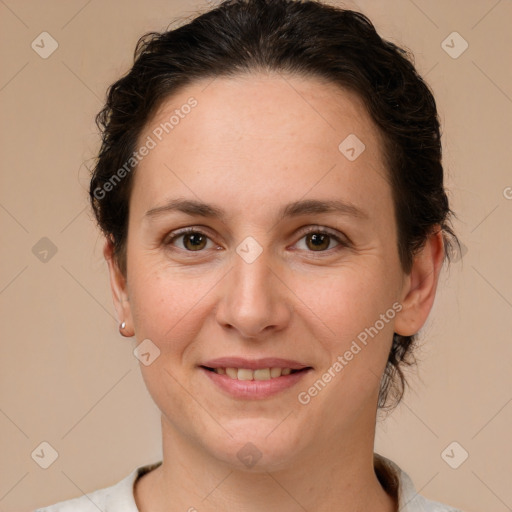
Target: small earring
x=123, y=325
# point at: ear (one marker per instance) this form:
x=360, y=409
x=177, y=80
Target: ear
x=419, y=289
x=119, y=290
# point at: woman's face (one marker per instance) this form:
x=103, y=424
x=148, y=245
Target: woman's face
x=250, y=288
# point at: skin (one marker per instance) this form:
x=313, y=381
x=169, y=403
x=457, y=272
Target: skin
x=253, y=144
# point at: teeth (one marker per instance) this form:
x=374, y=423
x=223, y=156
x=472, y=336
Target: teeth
x=244, y=374
x=275, y=372
x=231, y=372
x=259, y=374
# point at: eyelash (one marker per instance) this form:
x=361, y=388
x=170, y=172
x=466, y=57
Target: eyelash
x=342, y=243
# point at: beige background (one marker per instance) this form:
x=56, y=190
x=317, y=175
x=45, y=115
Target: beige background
x=68, y=377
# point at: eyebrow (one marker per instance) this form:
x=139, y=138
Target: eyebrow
x=302, y=207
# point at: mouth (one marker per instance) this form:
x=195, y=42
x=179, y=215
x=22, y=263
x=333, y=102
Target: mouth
x=253, y=378
x=258, y=374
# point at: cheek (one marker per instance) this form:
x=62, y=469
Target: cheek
x=357, y=306
x=166, y=305
x=350, y=299
x=167, y=310
x=359, y=313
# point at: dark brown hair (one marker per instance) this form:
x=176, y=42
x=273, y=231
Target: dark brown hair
x=305, y=38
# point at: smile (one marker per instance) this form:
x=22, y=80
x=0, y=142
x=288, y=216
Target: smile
x=248, y=374
x=253, y=379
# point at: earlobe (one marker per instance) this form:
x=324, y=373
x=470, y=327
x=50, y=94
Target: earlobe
x=119, y=291
x=420, y=286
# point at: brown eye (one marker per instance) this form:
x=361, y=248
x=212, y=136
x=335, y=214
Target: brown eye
x=318, y=241
x=191, y=240
x=194, y=241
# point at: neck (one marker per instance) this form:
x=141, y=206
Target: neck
x=322, y=480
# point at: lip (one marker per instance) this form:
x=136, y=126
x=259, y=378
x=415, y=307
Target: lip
x=254, y=364
x=254, y=389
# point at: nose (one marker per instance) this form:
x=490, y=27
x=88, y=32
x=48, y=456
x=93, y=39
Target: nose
x=255, y=301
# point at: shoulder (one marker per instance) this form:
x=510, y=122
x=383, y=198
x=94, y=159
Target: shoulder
x=117, y=498
x=398, y=482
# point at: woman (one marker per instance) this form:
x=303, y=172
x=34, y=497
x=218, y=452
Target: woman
x=271, y=193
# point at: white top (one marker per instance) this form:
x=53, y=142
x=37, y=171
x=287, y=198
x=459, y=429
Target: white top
x=119, y=497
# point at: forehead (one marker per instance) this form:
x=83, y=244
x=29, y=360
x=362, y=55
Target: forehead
x=256, y=137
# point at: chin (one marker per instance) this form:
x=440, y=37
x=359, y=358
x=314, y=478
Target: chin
x=259, y=446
